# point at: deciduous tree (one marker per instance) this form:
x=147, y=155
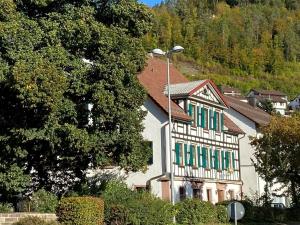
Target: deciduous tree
x=277, y=153
x=55, y=58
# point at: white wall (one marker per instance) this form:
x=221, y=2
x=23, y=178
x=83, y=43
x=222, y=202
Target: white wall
x=154, y=131
x=249, y=176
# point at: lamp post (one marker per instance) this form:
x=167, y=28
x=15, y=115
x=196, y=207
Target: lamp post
x=168, y=55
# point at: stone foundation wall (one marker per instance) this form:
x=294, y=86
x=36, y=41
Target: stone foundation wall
x=10, y=218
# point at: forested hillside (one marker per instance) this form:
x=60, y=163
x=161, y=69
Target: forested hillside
x=241, y=43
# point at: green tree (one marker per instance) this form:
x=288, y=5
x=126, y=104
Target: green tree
x=57, y=58
x=266, y=105
x=277, y=153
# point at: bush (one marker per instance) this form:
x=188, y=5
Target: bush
x=81, y=211
x=6, y=207
x=33, y=220
x=43, y=202
x=125, y=206
x=222, y=214
x=194, y=212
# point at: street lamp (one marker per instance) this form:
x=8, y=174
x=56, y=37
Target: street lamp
x=168, y=55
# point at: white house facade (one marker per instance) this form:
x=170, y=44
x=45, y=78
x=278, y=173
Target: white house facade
x=205, y=142
x=250, y=119
x=279, y=100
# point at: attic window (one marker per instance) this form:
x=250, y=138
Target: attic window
x=205, y=92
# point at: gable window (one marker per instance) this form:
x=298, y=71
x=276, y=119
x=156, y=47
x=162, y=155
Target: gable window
x=205, y=120
x=179, y=153
x=217, y=121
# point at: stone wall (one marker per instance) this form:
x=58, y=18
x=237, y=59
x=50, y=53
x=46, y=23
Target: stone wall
x=10, y=218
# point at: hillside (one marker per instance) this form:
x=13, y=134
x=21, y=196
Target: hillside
x=241, y=43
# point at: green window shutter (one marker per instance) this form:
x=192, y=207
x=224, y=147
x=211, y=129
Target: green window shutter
x=216, y=159
x=202, y=117
x=227, y=159
x=204, y=163
x=215, y=120
x=223, y=160
x=191, y=155
x=210, y=117
x=198, y=116
x=186, y=162
x=190, y=109
x=222, y=121
x=199, y=155
x=233, y=161
x=177, y=152
x=211, y=159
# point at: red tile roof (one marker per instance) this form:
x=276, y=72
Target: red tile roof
x=232, y=127
x=154, y=80
x=255, y=114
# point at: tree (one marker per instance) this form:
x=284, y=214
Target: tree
x=57, y=57
x=266, y=105
x=277, y=153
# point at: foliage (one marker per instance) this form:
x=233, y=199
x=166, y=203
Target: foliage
x=81, y=211
x=266, y=105
x=56, y=57
x=33, y=220
x=240, y=43
x=43, y=202
x=277, y=153
x=222, y=214
x=125, y=206
x=6, y=207
x=194, y=212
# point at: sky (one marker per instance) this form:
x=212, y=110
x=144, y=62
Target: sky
x=150, y=2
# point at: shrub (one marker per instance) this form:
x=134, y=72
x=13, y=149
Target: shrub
x=6, y=207
x=33, y=220
x=222, y=214
x=125, y=206
x=81, y=211
x=193, y=212
x=44, y=202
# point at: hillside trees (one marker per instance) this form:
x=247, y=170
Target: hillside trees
x=240, y=43
x=277, y=154
x=56, y=57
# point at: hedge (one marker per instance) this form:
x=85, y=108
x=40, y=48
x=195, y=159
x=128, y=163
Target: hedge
x=81, y=211
x=194, y=212
x=34, y=220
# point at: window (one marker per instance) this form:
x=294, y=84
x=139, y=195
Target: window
x=193, y=114
x=208, y=165
x=217, y=121
x=182, y=193
x=193, y=156
x=179, y=153
x=149, y=144
x=205, y=126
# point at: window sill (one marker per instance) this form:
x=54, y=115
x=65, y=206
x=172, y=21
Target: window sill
x=195, y=167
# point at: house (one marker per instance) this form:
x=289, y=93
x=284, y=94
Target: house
x=205, y=142
x=295, y=103
x=250, y=119
x=278, y=99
